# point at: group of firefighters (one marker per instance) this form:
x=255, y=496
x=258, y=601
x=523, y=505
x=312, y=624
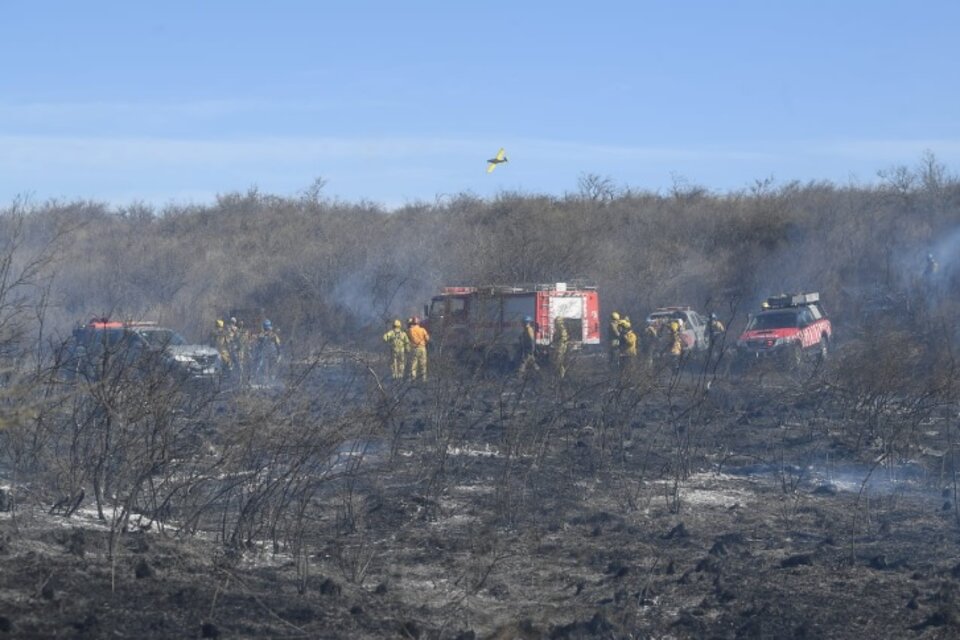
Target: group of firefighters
x=558, y=347
x=247, y=355
x=413, y=340
x=626, y=345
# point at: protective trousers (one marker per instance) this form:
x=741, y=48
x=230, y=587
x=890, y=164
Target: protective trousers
x=399, y=364
x=418, y=365
x=614, y=353
x=559, y=354
x=529, y=362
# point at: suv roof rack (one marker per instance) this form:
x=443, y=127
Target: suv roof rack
x=786, y=300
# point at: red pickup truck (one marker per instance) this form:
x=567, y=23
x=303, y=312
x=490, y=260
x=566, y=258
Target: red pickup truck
x=790, y=327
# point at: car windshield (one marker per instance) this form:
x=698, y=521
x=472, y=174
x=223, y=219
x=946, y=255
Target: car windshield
x=663, y=315
x=773, y=320
x=160, y=338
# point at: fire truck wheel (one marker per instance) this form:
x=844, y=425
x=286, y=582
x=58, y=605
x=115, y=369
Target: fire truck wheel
x=824, y=347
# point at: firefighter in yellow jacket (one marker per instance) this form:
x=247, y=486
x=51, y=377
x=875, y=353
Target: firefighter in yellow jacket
x=629, y=341
x=528, y=346
x=617, y=327
x=399, y=347
x=676, y=340
x=221, y=342
x=419, y=338
x=628, y=348
x=559, y=346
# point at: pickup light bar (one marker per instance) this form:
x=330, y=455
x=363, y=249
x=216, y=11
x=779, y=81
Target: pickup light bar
x=788, y=300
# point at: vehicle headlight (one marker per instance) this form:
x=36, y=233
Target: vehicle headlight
x=182, y=358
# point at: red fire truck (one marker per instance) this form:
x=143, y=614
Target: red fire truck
x=488, y=320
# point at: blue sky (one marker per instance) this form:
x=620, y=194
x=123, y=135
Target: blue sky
x=398, y=102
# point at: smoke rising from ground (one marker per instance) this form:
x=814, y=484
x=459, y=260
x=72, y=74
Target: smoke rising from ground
x=322, y=267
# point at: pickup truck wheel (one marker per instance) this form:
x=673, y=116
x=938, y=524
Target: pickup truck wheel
x=795, y=356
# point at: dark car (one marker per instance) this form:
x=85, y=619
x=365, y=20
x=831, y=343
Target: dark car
x=103, y=347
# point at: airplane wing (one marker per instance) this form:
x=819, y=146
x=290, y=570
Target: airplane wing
x=500, y=157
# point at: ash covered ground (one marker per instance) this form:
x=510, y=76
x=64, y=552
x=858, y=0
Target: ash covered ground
x=762, y=504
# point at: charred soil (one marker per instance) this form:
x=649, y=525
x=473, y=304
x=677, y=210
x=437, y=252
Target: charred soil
x=599, y=506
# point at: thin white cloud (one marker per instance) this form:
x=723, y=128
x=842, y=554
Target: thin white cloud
x=94, y=152
x=905, y=149
x=575, y=150
x=14, y=115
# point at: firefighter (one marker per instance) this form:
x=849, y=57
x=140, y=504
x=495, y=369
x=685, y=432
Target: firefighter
x=528, y=346
x=715, y=330
x=267, y=353
x=615, y=330
x=234, y=344
x=419, y=338
x=651, y=334
x=932, y=267
x=617, y=327
x=676, y=340
x=629, y=340
x=221, y=342
x=399, y=347
x=628, y=347
x=242, y=340
x=232, y=328
x=559, y=346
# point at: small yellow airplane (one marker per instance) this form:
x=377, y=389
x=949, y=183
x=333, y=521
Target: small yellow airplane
x=500, y=157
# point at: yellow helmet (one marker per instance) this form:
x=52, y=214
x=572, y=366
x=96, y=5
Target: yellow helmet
x=614, y=316
x=219, y=323
x=397, y=324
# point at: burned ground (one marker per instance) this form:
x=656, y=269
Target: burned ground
x=761, y=505
x=704, y=502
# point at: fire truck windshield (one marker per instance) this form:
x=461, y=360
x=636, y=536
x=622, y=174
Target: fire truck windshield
x=453, y=306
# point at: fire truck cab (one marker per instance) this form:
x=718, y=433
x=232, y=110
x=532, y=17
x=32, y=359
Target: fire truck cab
x=489, y=319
